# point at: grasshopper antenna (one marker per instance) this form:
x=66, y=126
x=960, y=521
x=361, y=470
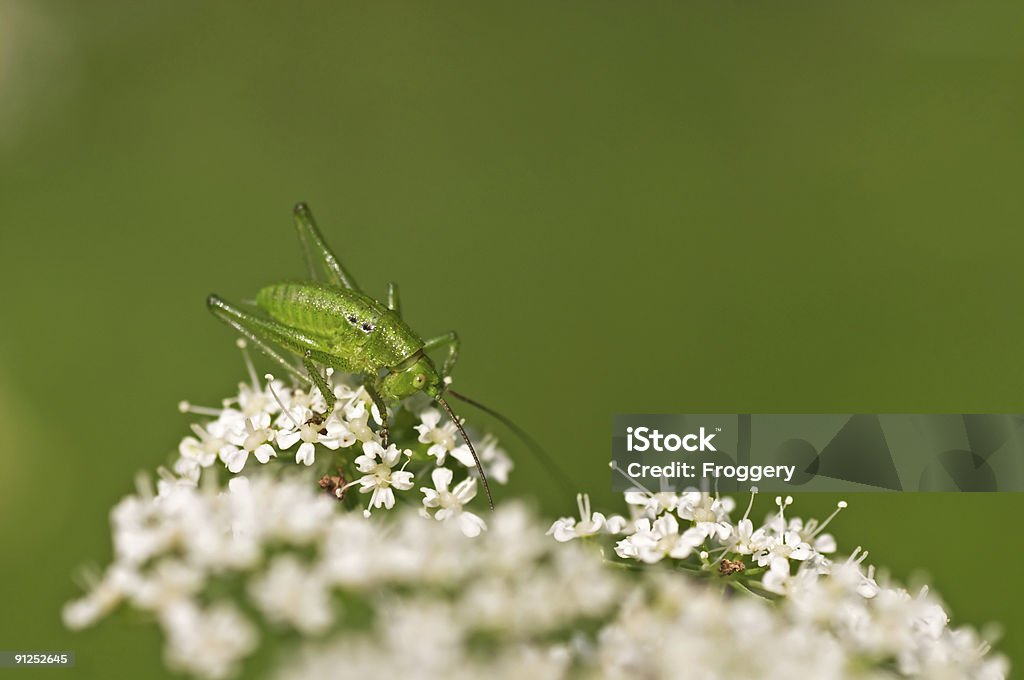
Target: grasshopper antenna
x=543, y=456
x=465, y=437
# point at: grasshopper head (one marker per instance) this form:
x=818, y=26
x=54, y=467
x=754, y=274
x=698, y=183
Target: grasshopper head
x=419, y=376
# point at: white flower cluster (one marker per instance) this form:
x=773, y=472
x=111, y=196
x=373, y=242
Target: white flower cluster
x=221, y=570
x=267, y=561
x=830, y=619
x=224, y=571
x=655, y=533
x=172, y=546
x=675, y=628
x=266, y=420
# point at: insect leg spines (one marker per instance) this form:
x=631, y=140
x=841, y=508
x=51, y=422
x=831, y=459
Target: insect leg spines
x=449, y=340
x=321, y=261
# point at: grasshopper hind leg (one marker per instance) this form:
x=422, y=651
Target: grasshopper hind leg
x=319, y=257
x=237, y=319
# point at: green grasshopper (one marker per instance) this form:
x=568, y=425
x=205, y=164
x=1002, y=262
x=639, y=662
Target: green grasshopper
x=333, y=324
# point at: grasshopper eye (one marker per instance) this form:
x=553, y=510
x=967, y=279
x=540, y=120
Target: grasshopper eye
x=419, y=381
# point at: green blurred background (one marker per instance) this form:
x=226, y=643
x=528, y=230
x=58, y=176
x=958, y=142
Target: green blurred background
x=621, y=207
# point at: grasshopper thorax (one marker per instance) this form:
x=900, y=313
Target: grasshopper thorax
x=415, y=375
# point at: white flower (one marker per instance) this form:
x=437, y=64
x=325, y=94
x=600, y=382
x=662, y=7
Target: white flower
x=449, y=503
x=296, y=403
x=103, y=598
x=185, y=472
x=202, y=451
x=462, y=454
x=357, y=420
x=652, y=542
x=294, y=594
x=441, y=437
x=811, y=531
x=266, y=508
x=253, y=400
x=652, y=504
x=168, y=582
x=780, y=550
x=747, y=541
x=567, y=528
x=849, y=573
x=138, y=529
x=785, y=544
x=494, y=459
x=254, y=439
x=207, y=642
x=333, y=435
x=709, y=514
x=379, y=476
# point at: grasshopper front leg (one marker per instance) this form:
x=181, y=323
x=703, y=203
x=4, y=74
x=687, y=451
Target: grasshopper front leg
x=321, y=383
x=374, y=393
x=449, y=340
